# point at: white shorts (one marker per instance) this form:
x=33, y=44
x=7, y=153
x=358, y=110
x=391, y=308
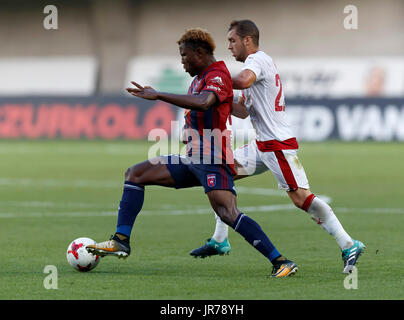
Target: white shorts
x=284, y=165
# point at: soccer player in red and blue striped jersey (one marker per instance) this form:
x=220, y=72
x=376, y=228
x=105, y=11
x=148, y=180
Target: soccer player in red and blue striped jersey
x=209, y=160
x=202, y=126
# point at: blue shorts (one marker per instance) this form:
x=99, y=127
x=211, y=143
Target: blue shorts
x=210, y=176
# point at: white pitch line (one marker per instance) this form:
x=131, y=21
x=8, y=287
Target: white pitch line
x=189, y=211
x=261, y=191
x=109, y=184
x=51, y=183
x=371, y=210
x=51, y=204
x=273, y=192
x=25, y=182
x=199, y=211
x=112, y=149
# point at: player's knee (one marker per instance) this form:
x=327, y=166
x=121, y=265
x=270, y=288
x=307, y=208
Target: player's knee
x=127, y=174
x=134, y=174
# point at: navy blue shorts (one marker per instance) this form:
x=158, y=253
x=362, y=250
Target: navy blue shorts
x=210, y=176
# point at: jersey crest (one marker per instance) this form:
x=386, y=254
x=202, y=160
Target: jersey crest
x=211, y=179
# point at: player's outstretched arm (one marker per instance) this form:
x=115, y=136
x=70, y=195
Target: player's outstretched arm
x=239, y=110
x=244, y=79
x=199, y=102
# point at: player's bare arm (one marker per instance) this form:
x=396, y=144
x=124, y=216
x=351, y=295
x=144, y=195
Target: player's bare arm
x=199, y=102
x=239, y=110
x=244, y=79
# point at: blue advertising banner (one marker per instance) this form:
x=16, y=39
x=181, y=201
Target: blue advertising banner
x=347, y=119
x=109, y=117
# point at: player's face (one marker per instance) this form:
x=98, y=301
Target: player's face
x=236, y=46
x=188, y=60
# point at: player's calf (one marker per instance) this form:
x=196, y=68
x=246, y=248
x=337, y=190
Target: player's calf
x=224, y=204
x=299, y=197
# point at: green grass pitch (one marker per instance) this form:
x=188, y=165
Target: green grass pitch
x=52, y=192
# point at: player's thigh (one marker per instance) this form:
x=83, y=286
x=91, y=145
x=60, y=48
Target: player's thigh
x=224, y=204
x=247, y=161
x=150, y=172
x=286, y=168
x=179, y=168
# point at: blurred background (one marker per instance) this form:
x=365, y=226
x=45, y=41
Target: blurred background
x=68, y=81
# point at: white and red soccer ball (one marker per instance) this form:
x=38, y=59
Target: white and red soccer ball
x=79, y=258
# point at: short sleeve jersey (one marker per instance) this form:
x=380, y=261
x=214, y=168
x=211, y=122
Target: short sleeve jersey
x=265, y=100
x=215, y=78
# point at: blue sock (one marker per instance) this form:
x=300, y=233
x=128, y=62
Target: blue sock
x=129, y=207
x=252, y=232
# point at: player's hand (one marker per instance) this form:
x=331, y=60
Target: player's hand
x=145, y=92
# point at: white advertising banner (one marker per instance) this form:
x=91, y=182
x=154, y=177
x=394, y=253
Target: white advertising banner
x=48, y=76
x=322, y=77
x=342, y=77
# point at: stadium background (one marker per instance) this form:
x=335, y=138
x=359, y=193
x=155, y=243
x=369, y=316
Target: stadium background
x=67, y=130
x=69, y=82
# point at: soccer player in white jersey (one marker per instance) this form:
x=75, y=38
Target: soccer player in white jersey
x=275, y=147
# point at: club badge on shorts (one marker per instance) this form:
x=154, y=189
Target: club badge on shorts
x=211, y=180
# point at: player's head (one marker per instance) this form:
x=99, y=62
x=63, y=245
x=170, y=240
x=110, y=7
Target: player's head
x=196, y=49
x=243, y=38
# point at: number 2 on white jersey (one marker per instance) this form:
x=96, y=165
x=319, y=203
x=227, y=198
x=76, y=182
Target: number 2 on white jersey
x=278, y=83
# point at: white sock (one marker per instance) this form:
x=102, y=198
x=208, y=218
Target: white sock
x=322, y=213
x=221, y=231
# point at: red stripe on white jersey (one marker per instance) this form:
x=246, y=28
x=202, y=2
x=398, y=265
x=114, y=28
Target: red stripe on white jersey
x=275, y=145
x=286, y=170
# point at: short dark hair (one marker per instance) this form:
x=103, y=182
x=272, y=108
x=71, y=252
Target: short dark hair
x=198, y=38
x=246, y=28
